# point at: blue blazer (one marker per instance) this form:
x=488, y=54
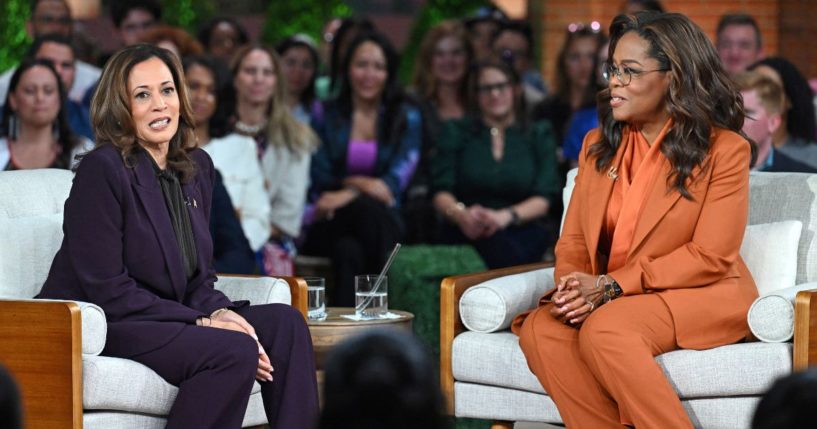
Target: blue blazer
x=120, y=251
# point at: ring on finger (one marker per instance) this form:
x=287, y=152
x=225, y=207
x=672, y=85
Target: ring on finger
x=592, y=306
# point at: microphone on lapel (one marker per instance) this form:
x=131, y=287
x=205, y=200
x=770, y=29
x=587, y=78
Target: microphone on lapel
x=613, y=173
x=191, y=201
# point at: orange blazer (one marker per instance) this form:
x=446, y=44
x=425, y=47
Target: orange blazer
x=687, y=251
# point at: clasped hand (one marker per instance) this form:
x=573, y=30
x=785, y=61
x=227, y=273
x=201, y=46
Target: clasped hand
x=228, y=319
x=478, y=222
x=576, y=297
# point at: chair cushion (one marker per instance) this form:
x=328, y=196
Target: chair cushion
x=491, y=306
x=27, y=249
x=110, y=383
x=775, y=197
x=770, y=252
x=771, y=317
x=257, y=290
x=738, y=369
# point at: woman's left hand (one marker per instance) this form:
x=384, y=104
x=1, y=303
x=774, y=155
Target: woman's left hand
x=577, y=296
x=494, y=220
x=264, y=371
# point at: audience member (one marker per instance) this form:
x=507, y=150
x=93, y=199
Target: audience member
x=631, y=7
x=35, y=128
x=370, y=148
x=513, y=43
x=765, y=105
x=233, y=155
x=494, y=174
x=576, y=85
x=60, y=52
x=739, y=42
x=440, y=84
x=648, y=261
x=587, y=118
x=789, y=403
x=231, y=250
x=797, y=137
x=299, y=63
x=173, y=39
x=54, y=17
x=482, y=26
x=133, y=18
x=253, y=75
x=136, y=243
x=11, y=407
x=382, y=379
x=283, y=147
x=349, y=29
x=221, y=37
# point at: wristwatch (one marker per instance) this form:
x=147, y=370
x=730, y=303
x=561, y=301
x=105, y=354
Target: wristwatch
x=514, y=216
x=612, y=290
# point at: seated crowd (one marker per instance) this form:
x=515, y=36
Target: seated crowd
x=320, y=151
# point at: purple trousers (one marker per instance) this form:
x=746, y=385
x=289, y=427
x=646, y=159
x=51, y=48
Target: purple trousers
x=215, y=369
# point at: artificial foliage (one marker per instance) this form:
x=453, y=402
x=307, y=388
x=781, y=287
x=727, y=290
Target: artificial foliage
x=432, y=13
x=285, y=18
x=13, y=37
x=187, y=14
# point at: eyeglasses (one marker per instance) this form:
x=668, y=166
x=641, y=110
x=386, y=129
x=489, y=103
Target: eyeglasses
x=624, y=73
x=490, y=88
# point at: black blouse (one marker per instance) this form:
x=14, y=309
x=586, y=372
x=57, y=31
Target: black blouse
x=179, y=217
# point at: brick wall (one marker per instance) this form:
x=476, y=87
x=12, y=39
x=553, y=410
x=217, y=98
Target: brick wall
x=787, y=25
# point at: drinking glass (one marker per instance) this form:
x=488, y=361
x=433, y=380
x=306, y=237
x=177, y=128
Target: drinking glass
x=316, y=298
x=371, y=304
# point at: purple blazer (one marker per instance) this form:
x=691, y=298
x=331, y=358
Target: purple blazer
x=120, y=251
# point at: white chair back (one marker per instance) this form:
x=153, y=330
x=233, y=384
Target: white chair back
x=31, y=207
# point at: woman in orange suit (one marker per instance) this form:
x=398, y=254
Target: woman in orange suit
x=648, y=259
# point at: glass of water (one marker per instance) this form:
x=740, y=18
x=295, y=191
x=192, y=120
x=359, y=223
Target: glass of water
x=371, y=304
x=316, y=298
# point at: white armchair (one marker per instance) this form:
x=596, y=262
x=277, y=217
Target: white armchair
x=484, y=373
x=52, y=347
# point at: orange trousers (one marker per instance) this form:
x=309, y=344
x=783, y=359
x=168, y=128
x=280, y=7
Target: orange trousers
x=603, y=374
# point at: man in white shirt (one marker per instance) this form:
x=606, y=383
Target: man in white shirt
x=54, y=17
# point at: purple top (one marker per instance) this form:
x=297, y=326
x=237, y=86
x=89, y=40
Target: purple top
x=361, y=157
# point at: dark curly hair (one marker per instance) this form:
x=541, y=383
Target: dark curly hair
x=700, y=95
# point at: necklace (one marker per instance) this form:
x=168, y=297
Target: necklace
x=249, y=130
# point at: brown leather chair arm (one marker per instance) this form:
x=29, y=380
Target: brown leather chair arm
x=451, y=291
x=805, y=329
x=41, y=345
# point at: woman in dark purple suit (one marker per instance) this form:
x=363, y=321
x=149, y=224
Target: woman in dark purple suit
x=137, y=244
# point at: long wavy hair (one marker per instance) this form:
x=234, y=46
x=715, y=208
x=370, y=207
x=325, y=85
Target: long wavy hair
x=282, y=128
x=111, y=116
x=390, y=128
x=66, y=139
x=700, y=95
x=563, y=80
x=424, y=82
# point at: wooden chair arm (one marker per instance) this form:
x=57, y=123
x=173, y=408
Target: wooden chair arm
x=805, y=329
x=41, y=345
x=451, y=291
x=297, y=290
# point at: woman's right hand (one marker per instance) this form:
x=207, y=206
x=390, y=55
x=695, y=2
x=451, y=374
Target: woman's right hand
x=469, y=223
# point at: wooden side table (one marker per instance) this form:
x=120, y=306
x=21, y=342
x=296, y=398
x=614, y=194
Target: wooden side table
x=335, y=328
